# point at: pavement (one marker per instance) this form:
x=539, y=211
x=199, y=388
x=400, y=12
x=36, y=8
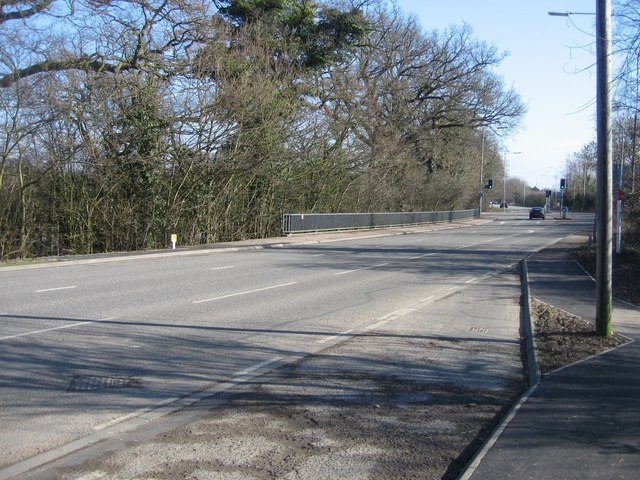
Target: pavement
x=583, y=420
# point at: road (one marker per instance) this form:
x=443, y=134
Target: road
x=87, y=348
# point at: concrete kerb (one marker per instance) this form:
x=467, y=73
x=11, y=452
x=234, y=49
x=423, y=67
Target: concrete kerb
x=533, y=368
x=533, y=373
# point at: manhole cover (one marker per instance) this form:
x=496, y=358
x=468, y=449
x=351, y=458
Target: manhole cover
x=83, y=383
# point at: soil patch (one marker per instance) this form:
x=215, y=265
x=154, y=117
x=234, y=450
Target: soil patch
x=562, y=338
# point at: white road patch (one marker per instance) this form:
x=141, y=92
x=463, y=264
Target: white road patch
x=55, y=289
x=222, y=268
x=237, y=294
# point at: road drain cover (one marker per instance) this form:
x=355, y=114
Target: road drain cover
x=84, y=383
x=478, y=330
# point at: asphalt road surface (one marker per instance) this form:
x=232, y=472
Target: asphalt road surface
x=96, y=347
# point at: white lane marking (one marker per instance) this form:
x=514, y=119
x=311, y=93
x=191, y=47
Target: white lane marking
x=55, y=289
x=223, y=268
x=333, y=337
x=244, y=293
x=257, y=366
x=377, y=324
x=361, y=269
x=482, y=243
x=429, y=299
x=173, y=404
x=585, y=271
x=93, y=475
x=423, y=255
x=62, y=327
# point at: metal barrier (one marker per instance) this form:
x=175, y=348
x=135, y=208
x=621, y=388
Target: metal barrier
x=317, y=222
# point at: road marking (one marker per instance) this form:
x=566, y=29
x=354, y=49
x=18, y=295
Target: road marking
x=93, y=475
x=344, y=272
x=244, y=293
x=55, y=289
x=429, y=299
x=379, y=324
x=585, y=271
x=423, y=255
x=62, y=327
x=482, y=243
x=333, y=337
x=257, y=366
x=222, y=268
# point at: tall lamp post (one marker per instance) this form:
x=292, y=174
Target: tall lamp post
x=604, y=187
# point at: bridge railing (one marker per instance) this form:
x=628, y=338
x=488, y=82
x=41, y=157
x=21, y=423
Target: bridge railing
x=318, y=222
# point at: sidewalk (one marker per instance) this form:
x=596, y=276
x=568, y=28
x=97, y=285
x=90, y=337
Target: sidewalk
x=582, y=421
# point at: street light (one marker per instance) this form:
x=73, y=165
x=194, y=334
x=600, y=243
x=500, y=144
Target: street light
x=567, y=14
x=604, y=187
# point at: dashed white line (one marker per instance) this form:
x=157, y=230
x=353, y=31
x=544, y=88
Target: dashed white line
x=222, y=268
x=244, y=293
x=344, y=272
x=55, y=289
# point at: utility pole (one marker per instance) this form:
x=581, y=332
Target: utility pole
x=481, y=175
x=604, y=192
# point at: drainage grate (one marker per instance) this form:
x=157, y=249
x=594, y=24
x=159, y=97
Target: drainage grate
x=85, y=383
x=479, y=330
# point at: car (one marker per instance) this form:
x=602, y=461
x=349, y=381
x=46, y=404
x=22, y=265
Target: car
x=536, y=212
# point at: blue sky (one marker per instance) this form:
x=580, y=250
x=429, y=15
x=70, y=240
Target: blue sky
x=550, y=63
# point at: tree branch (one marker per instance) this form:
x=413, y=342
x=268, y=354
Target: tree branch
x=83, y=63
x=17, y=13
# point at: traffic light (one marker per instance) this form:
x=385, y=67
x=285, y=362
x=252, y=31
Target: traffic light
x=563, y=183
x=490, y=184
x=548, y=193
